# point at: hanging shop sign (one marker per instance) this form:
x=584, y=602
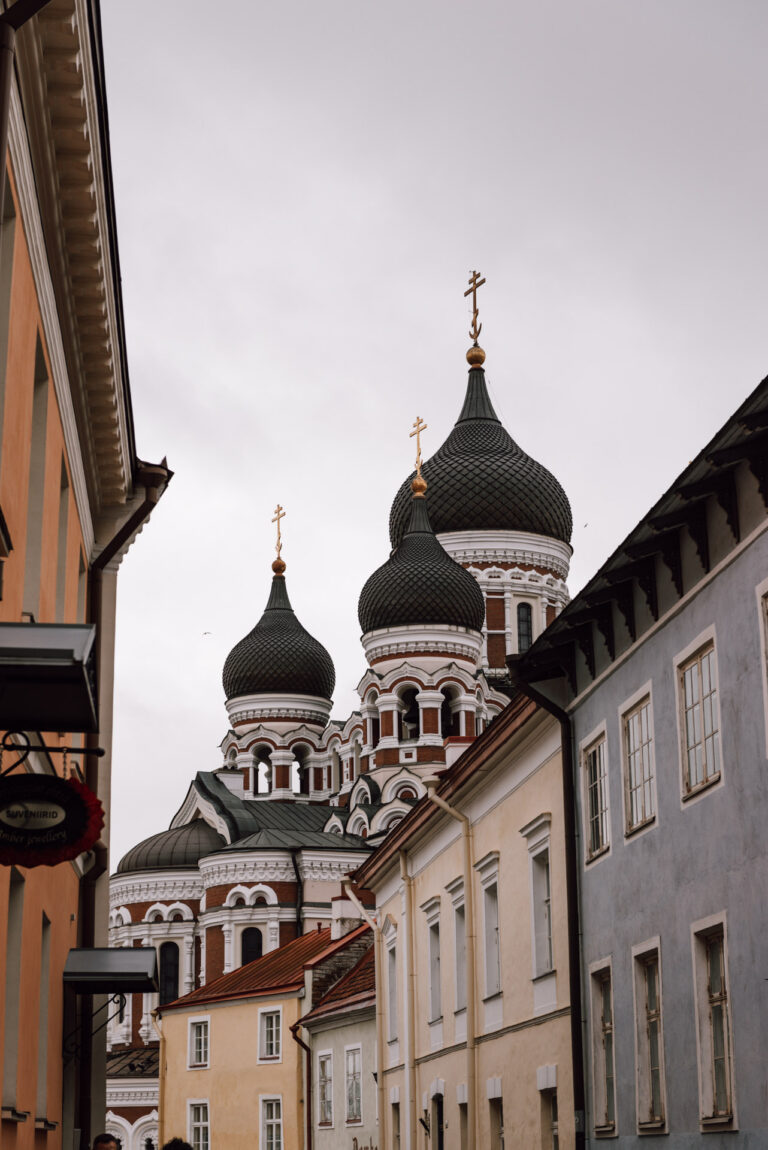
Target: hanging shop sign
x=45, y=820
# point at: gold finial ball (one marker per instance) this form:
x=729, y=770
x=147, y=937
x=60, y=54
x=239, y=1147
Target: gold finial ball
x=278, y=567
x=419, y=486
x=475, y=356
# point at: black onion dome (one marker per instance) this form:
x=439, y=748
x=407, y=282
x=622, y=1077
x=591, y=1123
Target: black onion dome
x=278, y=656
x=480, y=480
x=179, y=847
x=420, y=584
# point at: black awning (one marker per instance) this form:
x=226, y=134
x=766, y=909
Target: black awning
x=47, y=680
x=112, y=970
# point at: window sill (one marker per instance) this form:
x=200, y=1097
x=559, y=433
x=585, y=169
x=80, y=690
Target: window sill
x=607, y=1131
x=435, y=1021
x=717, y=1122
x=544, y=974
x=691, y=794
x=198, y=1066
x=628, y=833
x=492, y=997
x=593, y=858
x=353, y=1122
x=656, y=1126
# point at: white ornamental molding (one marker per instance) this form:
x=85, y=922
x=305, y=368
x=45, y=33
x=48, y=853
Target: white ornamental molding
x=287, y=708
x=195, y=806
x=387, y=642
x=320, y=868
x=121, y=1092
x=127, y=889
x=508, y=547
x=223, y=872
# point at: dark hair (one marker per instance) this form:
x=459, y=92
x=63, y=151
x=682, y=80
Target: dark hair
x=104, y=1140
x=177, y=1144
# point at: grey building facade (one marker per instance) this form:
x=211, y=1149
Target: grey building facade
x=658, y=670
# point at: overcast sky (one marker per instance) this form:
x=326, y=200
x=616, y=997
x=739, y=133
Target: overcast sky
x=302, y=189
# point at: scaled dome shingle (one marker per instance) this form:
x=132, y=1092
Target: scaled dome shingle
x=420, y=584
x=179, y=847
x=278, y=657
x=480, y=480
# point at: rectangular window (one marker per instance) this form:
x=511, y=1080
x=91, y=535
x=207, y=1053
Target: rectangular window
x=460, y=923
x=12, y=986
x=325, y=1088
x=542, y=913
x=392, y=991
x=353, y=1058
x=61, y=546
x=41, y=1106
x=638, y=766
x=497, y=1123
x=198, y=1042
x=435, y=996
x=199, y=1130
x=649, y=1041
x=33, y=555
x=699, y=720
x=492, y=968
x=602, y=1049
x=713, y=1025
x=596, y=786
x=269, y=1035
x=395, y=1126
x=272, y=1123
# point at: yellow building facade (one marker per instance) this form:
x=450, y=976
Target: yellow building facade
x=472, y=973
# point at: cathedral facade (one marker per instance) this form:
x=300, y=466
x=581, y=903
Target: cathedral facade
x=254, y=856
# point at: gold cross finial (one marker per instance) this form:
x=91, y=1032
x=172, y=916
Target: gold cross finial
x=418, y=485
x=474, y=284
x=278, y=566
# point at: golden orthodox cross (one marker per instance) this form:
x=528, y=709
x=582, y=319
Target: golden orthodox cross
x=474, y=284
x=279, y=514
x=418, y=427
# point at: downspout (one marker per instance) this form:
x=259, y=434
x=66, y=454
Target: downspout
x=410, y=1017
x=578, y=1022
x=346, y=884
x=295, y=1027
x=469, y=951
x=155, y=1016
x=299, y=890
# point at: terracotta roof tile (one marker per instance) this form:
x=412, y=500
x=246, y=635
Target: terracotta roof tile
x=357, y=985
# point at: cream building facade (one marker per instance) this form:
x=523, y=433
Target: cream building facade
x=473, y=973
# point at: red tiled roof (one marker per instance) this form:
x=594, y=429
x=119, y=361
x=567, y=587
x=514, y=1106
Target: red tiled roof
x=357, y=986
x=280, y=970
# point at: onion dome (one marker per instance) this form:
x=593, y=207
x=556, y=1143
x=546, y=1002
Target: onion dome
x=170, y=850
x=480, y=480
x=278, y=657
x=420, y=584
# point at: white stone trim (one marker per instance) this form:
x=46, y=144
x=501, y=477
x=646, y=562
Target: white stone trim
x=244, y=867
x=508, y=547
x=125, y=1092
x=459, y=642
x=153, y=887
x=298, y=708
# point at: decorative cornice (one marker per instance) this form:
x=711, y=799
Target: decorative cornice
x=156, y=886
x=426, y=641
x=275, y=708
x=513, y=547
x=245, y=868
x=121, y=1093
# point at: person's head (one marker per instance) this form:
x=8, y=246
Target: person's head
x=177, y=1144
x=105, y=1142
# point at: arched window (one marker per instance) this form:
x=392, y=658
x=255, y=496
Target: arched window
x=524, y=627
x=250, y=945
x=450, y=720
x=406, y=793
x=169, y=972
x=409, y=716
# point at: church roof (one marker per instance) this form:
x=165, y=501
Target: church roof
x=481, y=480
x=420, y=584
x=278, y=656
x=298, y=840
x=174, y=849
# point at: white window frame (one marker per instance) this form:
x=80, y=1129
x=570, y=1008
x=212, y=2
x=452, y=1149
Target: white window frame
x=455, y=890
x=537, y=834
x=488, y=870
x=262, y=1056
x=596, y=738
x=642, y=697
x=325, y=1123
x=643, y=955
x=352, y=1049
x=699, y=646
x=264, y=1100
x=431, y=910
x=602, y=1071
x=192, y=1126
x=761, y=591
x=702, y=932
x=194, y=1021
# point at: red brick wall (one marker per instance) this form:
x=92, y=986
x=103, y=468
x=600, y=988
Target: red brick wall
x=214, y=953
x=494, y=613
